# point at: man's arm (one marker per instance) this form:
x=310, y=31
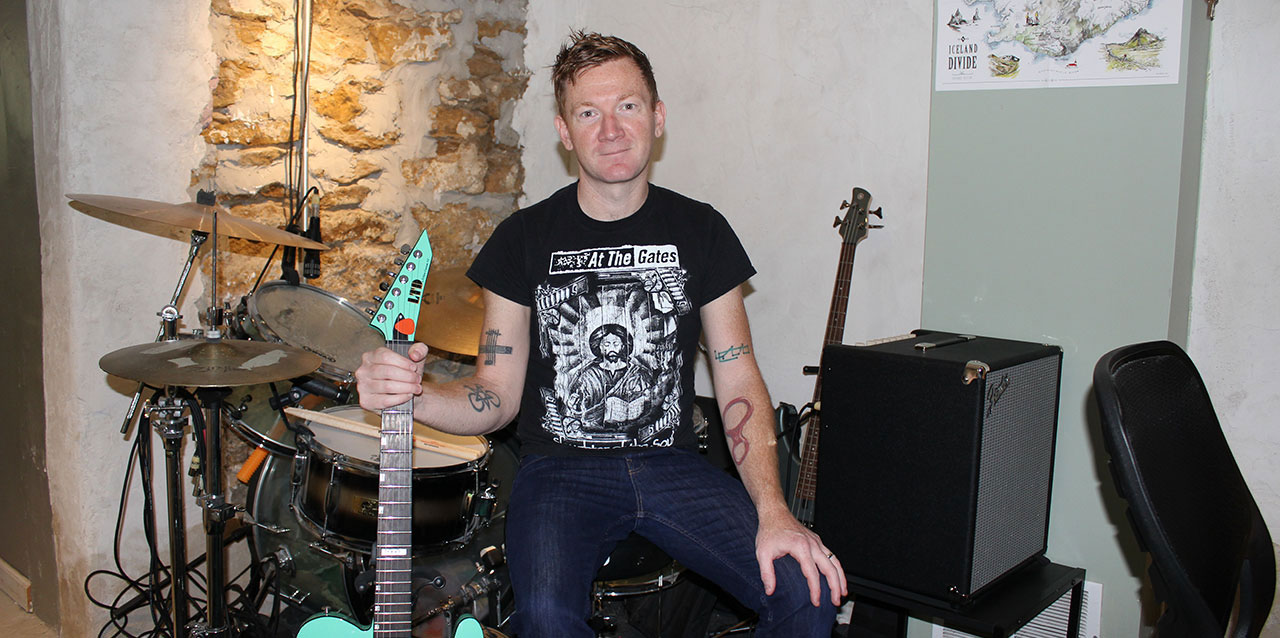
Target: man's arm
x=478, y=404
x=747, y=413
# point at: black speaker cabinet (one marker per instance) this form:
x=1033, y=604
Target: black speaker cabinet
x=935, y=460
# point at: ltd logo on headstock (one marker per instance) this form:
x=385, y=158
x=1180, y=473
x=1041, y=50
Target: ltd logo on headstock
x=398, y=311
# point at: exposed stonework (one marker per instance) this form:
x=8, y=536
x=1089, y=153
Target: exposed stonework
x=405, y=131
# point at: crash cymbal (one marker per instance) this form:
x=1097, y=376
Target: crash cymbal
x=209, y=363
x=190, y=215
x=452, y=312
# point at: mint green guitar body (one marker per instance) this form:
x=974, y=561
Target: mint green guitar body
x=336, y=626
x=333, y=626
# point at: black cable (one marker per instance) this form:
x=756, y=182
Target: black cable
x=291, y=219
x=149, y=591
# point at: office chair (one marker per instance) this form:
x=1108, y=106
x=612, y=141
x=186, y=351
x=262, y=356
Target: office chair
x=1188, y=504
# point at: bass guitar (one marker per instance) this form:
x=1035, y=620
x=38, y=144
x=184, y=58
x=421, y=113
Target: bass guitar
x=395, y=318
x=853, y=229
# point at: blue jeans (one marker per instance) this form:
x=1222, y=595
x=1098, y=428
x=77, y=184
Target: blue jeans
x=567, y=514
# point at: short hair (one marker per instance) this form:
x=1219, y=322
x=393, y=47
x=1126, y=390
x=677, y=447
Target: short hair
x=589, y=50
x=598, y=335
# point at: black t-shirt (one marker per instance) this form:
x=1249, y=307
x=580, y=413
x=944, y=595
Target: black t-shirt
x=615, y=323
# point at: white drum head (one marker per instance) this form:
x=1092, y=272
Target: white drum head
x=366, y=447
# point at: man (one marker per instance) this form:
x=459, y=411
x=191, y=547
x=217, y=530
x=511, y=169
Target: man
x=612, y=249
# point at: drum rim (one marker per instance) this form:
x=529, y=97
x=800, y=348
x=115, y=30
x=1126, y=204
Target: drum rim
x=265, y=329
x=310, y=438
x=648, y=583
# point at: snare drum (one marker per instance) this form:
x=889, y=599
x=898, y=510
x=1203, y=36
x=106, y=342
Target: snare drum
x=336, y=474
x=314, y=320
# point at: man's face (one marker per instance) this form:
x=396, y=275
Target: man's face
x=610, y=123
x=611, y=347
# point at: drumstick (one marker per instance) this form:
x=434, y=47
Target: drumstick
x=360, y=427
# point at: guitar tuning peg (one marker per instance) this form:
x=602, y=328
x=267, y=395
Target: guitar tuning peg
x=877, y=213
x=837, y=222
x=384, y=286
x=844, y=204
x=399, y=261
x=875, y=225
x=378, y=299
x=405, y=248
x=369, y=311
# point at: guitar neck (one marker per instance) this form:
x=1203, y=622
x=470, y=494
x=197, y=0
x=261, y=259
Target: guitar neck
x=807, y=479
x=393, y=597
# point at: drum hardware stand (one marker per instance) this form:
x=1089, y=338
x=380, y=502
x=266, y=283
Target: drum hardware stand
x=216, y=513
x=197, y=240
x=166, y=416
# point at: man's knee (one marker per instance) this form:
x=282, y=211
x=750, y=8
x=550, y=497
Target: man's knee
x=791, y=604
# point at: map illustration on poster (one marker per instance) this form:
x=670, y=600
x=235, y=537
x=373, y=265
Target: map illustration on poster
x=1008, y=44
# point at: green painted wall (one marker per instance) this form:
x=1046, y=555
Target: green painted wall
x=1067, y=216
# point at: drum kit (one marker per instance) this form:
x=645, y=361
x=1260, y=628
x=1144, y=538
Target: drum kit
x=279, y=372
x=312, y=501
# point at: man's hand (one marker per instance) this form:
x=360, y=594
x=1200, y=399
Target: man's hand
x=385, y=379
x=780, y=534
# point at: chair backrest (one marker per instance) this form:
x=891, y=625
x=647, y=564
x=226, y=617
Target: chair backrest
x=1188, y=503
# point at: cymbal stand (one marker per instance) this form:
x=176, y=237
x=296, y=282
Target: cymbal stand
x=217, y=511
x=166, y=416
x=197, y=240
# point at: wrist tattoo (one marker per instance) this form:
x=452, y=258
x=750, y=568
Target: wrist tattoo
x=733, y=353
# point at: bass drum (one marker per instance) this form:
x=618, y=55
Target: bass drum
x=313, y=575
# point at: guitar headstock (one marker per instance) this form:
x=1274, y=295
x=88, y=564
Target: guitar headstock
x=397, y=312
x=853, y=228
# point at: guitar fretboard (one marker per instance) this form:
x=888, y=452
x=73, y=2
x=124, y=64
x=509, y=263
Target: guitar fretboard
x=807, y=478
x=393, y=593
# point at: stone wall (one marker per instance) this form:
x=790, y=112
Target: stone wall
x=408, y=129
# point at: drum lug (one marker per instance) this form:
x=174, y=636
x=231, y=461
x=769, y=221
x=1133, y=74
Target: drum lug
x=485, y=501
x=284, y=561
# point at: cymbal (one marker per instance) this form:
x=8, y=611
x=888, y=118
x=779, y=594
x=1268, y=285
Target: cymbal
x=209, y=363
x=452, y=312
x=189, y=215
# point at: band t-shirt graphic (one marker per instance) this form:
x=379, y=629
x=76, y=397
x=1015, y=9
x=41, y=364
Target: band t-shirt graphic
x=615, y=321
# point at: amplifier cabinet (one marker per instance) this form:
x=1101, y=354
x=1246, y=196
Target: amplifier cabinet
x=935, y=460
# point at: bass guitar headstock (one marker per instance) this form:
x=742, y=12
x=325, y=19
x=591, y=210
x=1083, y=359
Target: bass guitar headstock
x=397, y=313
x=853, y=228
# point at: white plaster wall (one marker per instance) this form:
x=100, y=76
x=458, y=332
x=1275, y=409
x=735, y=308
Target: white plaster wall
x=1234, y=336
x=775, y=111
x=120, y=90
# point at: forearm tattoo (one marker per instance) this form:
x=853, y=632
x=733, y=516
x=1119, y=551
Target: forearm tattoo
x=738, y=445
x=492, y=348
x=733, y=353
x=482, y=398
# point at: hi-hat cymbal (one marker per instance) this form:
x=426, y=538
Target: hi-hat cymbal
x=191, y=216
x=452, y=312
x=209, y=363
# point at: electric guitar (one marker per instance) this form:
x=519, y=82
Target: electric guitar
x=395, y=318
x=853, y=229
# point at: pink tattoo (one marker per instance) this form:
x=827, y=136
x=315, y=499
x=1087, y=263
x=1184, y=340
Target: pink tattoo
x=739, y=446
